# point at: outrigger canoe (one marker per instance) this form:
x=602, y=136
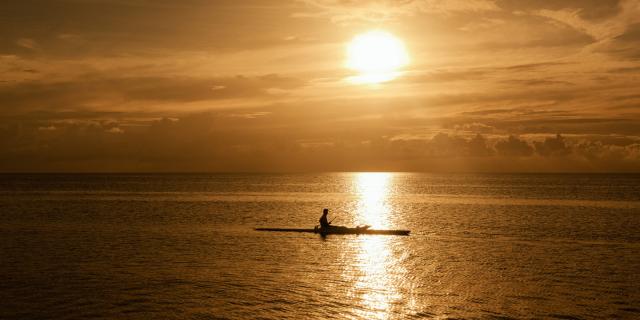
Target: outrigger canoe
x=341, y=230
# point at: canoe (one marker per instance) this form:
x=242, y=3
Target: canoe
x=340, y=230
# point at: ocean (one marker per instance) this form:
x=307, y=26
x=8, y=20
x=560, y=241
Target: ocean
x=182, y=246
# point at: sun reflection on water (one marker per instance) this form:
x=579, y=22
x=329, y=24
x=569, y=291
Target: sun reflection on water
x=373, y=196
x=377, y=272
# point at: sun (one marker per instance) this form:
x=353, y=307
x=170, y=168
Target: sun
x=377, y=56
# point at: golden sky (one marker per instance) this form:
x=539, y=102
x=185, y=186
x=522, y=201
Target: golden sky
x=195, y=85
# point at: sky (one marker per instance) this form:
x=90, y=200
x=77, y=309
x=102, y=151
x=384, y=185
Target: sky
x=262, y=86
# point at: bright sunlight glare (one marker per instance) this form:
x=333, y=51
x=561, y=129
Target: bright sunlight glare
x=377, y=56
x=373, y=190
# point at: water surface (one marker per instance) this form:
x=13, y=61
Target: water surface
x=140, y=246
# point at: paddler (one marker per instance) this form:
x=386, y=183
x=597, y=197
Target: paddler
x=324, y=223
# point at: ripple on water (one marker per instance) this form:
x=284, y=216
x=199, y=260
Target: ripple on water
x=482, y=246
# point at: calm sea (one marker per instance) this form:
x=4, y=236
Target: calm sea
x=139, y=246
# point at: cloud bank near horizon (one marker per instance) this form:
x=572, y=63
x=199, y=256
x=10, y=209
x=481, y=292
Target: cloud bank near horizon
x=257, y=86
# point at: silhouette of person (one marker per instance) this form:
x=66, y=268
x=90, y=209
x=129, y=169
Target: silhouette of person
x=324, y=223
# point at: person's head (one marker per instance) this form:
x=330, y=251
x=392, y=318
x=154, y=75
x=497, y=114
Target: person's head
x=325, y=211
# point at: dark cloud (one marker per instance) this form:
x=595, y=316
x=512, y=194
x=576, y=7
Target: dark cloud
x=42, y=95
x=554, y=117
x=632, y=34
x=479, y=147
x=221, y=142
x=552, y=147
x=633, y=70
x=578, y=126
x=626, y=46
x=70, y=28
x=521, y=112
x=514, y=147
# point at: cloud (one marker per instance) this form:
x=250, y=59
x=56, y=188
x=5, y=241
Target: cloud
x=598, y=152
x=344, y=11
x=488, y=112
x=132, y=28
x=626, y=45
x=484, y=23
x=475, y=127
x=537, y=66
x=115, y=130
x=552, y=147
x=536, y=82
x=225, y=142
x=514, y=147
x=444, y=145
x=124, y=89
x=632, y=34
x=446, y=75
x=589, y=9
x=47, y=128
x=27, y=43
x=600, y=29
x=96, y=89
x=527, y=121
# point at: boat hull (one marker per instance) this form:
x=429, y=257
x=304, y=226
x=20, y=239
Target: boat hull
x=340, y=230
